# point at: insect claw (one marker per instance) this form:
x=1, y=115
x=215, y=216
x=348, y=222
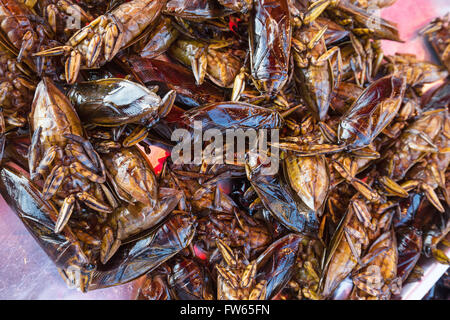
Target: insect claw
x=137, y=135
x=72, y=67
x=56, y=51
x=288, y=112
x=93, y=203
x=329, y=134
x=24, y=83
x=167, y=103
x=259, y=292
x=248, y=275
x=228, y=276
x=392, y=187
x=363, y=214
x=328, y=54
x=92, y=154
x=315, y=10
x=226, y=252
x=366, y=153
x=119, y=43
x=109, y=196
x=109, y=245
x=64, y=213
x=310, y=150
x=368, y=193
x=51, y=14
x=432, y=197
x=76, y=277
x=111, y=38
x=54, y=181
x=27, y=45
x=94, y=50
x=313, y=42
x=81, y=34
x=198, y=65
x=353, y=250
x=238, y=86
x=45, y=163
x=90, y=175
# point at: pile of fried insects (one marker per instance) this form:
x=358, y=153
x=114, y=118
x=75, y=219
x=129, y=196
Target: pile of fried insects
x=92, y=89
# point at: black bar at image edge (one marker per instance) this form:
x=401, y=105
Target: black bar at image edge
x=179, y=310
